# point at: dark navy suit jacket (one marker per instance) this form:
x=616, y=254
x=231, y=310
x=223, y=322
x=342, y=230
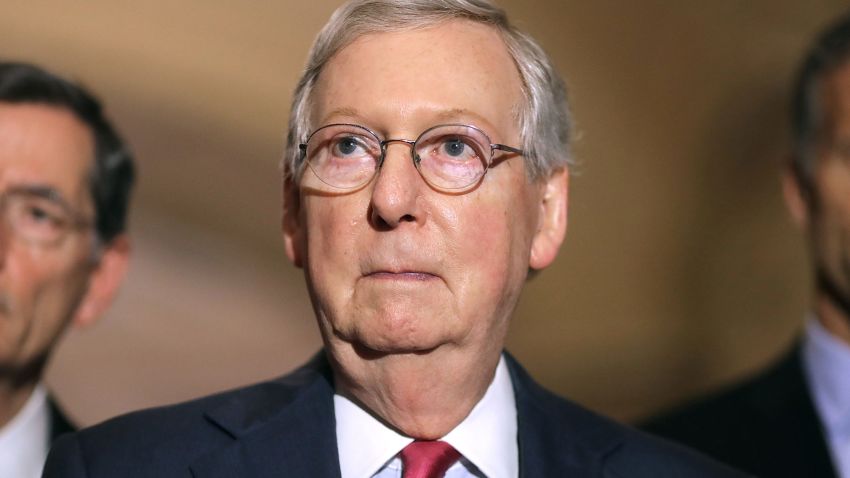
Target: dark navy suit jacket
x=766, y=425
x=59, y=423
x=286, y=428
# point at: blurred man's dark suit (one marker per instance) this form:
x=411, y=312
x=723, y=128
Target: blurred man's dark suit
x=766, y=425
x=59, y=423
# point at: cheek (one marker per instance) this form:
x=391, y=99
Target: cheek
x=26, y=275
x=483, y=235
x=830, y=228
x=42, y=294
x=832, y=218
x=491, y=251
x=331, y=233
x=834, y=236
x=52, y=289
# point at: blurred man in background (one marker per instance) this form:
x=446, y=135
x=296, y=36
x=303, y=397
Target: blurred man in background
x=794, y=419
x=65, y=179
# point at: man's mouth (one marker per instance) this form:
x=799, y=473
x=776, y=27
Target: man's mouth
x=401, y=275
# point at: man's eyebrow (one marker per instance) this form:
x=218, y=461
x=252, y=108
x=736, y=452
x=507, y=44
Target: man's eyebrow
x=344, y=111
x=463, y=115
x=448, y=115
x=455, y=113
x=41, y=190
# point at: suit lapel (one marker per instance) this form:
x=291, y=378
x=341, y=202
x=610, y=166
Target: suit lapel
x=557, y=438
x=59, y=424
x=289, y=431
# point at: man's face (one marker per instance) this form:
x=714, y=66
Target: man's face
x=397, y=266
x=41, y=285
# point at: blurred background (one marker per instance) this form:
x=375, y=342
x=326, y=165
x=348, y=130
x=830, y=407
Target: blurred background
x=680, y=272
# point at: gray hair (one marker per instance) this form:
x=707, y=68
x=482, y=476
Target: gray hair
x=544, y=118
x=830, y=51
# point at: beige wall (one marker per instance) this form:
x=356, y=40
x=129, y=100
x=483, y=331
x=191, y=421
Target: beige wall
x=680, y=270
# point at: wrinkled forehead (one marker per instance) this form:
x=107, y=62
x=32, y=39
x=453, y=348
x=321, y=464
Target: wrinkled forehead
x=422, y=75
x=45, y=146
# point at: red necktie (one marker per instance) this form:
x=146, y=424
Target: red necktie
x=427, y=459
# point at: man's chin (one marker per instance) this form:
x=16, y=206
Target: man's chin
x=391, y=334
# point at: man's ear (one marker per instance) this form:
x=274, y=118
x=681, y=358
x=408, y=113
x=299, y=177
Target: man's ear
x=797, y=197
x=552, y=221
x=105, y=278
x=292, y=234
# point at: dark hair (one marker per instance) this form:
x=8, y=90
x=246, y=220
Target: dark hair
x=111, y=177
x=830, y=51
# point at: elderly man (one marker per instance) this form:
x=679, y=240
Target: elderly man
x=794, y=419
x=65, y=179
x=426, y=175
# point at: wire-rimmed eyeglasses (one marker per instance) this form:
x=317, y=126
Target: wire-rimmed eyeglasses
x=39, y=215
x=449, y=157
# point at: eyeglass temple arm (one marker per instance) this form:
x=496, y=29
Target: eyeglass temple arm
x=510, y=149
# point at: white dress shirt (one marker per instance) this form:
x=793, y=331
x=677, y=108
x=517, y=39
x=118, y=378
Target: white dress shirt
x=826, y=362
x=25, y=440
x=487, y=437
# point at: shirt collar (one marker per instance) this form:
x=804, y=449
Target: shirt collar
x=487, y=437
x=24, y=440
x=826, y=360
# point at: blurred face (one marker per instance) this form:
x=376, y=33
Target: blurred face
x=830, y=210
x=397, y=267
x=41, y=285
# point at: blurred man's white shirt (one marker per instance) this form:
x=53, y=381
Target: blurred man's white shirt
x=826, y=361
x=24, y=441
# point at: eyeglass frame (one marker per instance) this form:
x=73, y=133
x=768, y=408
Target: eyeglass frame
x=302, y=147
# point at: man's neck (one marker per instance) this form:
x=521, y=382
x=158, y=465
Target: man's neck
x=421, y=395
x=834, y=318
x=13, y=397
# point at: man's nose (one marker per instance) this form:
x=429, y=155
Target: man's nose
x=396, y=194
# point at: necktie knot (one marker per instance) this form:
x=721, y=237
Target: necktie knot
x=427, y=459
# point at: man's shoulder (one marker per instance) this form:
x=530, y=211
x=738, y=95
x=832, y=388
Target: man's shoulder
x=632, y=453
x=176, y=420
x=765, y=424
x=252, y=402
x=162, y=439
x=559, y=437
x=642, y=455
x=755, y=400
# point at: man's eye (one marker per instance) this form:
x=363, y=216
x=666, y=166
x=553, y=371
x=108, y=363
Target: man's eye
x=38, y=213
x=346, y=146
x=454, y=147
